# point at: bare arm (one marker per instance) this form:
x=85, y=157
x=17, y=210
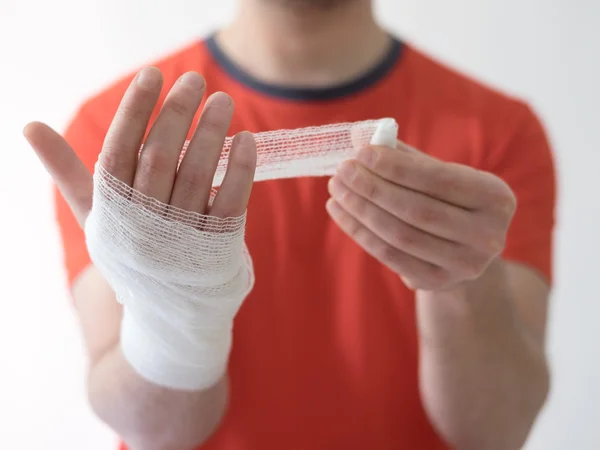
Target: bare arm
x=442, y=227
x=484, y=376
x=145, y=415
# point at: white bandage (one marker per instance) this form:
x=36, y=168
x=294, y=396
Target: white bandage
x=182, y=276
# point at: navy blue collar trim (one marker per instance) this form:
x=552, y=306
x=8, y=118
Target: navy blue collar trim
x=308, y=94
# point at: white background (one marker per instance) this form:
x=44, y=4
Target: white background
x=54, y=53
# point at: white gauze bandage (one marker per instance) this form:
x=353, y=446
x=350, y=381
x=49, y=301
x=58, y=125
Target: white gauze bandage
x=182, y=276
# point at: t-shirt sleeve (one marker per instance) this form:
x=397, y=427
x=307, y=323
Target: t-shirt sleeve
x=86, y=138
x=526, y=162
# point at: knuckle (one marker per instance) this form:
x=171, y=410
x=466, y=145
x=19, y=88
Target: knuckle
x=398, y=170
x=211, y=124
x=179, y=106
x=112, y=156
x=450, y=184
x=388, y=254
x=131, y=112
x=244, y=165
x=356, y=204
x=370, y=189
x=191, y=183
x=215, y=119
x=404, y=238
x=354, y=230
x=423, y=215
x=155, y=160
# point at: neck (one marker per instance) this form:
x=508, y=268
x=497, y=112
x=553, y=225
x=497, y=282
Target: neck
x=279, y=43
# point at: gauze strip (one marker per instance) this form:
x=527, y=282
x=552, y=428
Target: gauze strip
x=310, y=152
x=182, y=276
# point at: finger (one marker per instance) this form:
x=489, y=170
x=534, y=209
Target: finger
x=122, y=143
x=398, y=261
x=421, y=211
x=195, y=175
x=453, y=183
x=234, y=193
x=68, y=172
x=157, y=166
x=457, y=259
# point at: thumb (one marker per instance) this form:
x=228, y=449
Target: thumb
x=68, y=172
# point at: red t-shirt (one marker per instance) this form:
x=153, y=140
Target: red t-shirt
x=325, y=352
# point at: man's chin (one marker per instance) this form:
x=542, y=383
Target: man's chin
x=310, y=4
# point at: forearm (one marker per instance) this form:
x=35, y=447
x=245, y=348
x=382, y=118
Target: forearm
x=148, y=416
x=483, y=376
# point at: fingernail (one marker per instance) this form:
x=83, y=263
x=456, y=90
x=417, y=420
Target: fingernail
x=366, y=156
x=148, y=78
x=193, y=80
x=220, y=99
x=347, y=170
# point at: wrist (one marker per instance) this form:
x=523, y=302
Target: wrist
x=484, y=301
x=178, y=358
x=493, y=279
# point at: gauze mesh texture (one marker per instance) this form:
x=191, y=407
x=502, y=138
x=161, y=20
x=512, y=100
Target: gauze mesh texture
x=182, y=276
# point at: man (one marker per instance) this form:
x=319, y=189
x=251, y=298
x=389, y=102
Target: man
x=400, y=304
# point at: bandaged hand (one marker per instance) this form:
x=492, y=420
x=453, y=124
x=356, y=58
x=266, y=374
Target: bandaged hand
x=434, y=223
x=170, y=246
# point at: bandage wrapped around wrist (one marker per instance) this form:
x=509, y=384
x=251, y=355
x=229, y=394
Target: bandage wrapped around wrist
x=182, y=276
